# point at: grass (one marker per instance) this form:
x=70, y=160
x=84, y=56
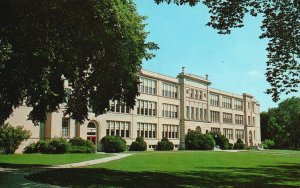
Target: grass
x=185, y=169
x=27, y=160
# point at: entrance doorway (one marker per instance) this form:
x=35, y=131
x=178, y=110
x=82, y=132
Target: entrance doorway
x=92, y=132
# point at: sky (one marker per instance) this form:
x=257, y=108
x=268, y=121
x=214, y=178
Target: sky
x=235, y=63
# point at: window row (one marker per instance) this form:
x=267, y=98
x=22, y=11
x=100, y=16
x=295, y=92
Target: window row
x=194, y=93
x=116, y=106
x=214, y=116
x=195, y=113
x=146, y=130
x=170, y=111
x=226, y=102
x=227, y=118
x=147, y=86
x=119, y=128
x=214, y=99
x=170, y=90
x=228, y=133
x=147, y=108
x=170, y=131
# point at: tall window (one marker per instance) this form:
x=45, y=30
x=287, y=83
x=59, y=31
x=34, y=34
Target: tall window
x=239, y=133
x=116, y=106
x=228, y=133
x=226, y=102
x=146, y=130
x=215, y=129
x=147, y=86
x=65, y=127
x=239, y=119
x=170, y=111
x=214, y=116
x=147, y=108
x=170, y=90
x=214, y=99
x=119, y=128
x=227, y=118
x=238, y=104
x=170, y=131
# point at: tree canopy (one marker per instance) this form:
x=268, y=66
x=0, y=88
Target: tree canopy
x=280, y=25
x=282, y=124
x=98, y=46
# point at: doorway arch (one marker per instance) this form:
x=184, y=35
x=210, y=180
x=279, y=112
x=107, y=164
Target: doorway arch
x=250, y=138
x=198, y=129
x=92, y=132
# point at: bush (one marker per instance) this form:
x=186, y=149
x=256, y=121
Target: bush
x=58, y=146
x=11, y=137
x=165, y=145
x=79, y=145
x=239, y=144
x=42, y=146
x=220, y=140
x=195, y=140
x=230, y=146
x=113, y=144
x=30, y=148
x=268, y=144
x=138, y=145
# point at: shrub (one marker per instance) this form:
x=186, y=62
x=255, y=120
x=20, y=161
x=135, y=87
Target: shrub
x=195, y=140
x=165, y=145
x=268, y=144
x=30, y=148
x=230, y=146
x=220, y=140
x=58, y=146
x=11, y=137
x=79, y=145
x=138, y=145
x=42, y=146
x=113, y=144
x=239, y=144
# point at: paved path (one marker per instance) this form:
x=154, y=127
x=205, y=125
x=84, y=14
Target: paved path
x=92, y=162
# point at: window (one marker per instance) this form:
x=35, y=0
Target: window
x=227, y=102
x=238, y=104
x=187, y=112
x=215, y=130
x=147, y=86
x=119, y=128
x=249, y=120
x=253, y=121
x=170, y=90
x=67, y=94
x=214, y=116
x=65, y=126
x=239, y=119
x=147, y=108
x=170, y=131
x=146, y=130
x=227, y=118
x=228, y=133
x=118, y=107
x=170, y=111
x=214, y=99
x=239, y=133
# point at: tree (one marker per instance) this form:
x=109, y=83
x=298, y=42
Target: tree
x=98, y=46
x=11, y=137
x=282, y=124
x=195, y=140
x=281, y=25
x=220, y=140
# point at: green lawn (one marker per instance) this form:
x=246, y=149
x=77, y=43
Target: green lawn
x=185, y=169
x=27, y=160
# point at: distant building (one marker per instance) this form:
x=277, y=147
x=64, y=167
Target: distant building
x=166, y=107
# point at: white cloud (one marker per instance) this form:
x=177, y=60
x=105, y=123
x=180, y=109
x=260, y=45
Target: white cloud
x=254, y=73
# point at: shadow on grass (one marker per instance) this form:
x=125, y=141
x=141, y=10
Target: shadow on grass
x=18, y=166
x=285, y=175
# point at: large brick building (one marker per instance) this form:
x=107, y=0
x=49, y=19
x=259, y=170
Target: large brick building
x=166, y=107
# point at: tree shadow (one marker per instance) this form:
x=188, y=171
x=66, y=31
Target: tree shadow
x=284, y=175
x=19, y=166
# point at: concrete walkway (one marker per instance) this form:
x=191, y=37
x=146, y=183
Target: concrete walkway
x=92, y=162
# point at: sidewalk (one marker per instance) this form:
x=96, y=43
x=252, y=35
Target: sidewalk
x=92, y=162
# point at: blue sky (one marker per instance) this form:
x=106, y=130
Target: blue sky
x=234, y=63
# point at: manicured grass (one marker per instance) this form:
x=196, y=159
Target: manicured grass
x=24, y=160
x=185, y=169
